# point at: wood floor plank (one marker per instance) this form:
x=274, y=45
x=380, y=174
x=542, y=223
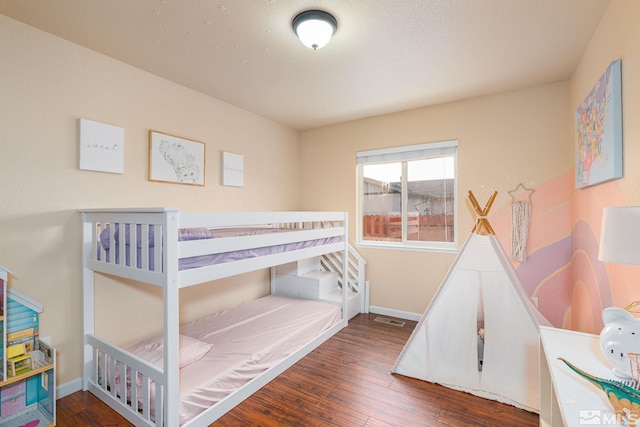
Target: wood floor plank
x=345, y=382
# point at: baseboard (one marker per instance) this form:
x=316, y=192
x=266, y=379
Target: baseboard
x=69, y=388
x=395, y=313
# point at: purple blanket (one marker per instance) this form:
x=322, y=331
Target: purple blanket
x=204, y=233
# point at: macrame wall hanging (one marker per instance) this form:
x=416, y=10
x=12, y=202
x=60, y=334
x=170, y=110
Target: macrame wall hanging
x=520, y=220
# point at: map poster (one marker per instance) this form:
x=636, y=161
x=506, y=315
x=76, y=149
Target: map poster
x=598, y=131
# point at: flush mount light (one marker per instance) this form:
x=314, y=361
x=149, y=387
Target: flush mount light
x=314, y=28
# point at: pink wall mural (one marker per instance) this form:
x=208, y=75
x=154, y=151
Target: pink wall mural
x=562, y=268
x=546, y=274
x=596, y=285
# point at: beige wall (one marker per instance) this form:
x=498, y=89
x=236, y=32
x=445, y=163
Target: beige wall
x=47, y=84
x=615, y=38
x=505, y=139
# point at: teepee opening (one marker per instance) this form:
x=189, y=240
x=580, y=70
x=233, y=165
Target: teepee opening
x=480, y=329
x=480, y=332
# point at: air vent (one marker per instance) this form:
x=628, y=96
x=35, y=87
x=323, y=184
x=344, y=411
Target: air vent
x=388, y=321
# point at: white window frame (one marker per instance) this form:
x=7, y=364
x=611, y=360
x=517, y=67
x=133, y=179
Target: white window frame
x=403, y=154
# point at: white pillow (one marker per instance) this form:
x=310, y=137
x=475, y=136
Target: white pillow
x=152, y=350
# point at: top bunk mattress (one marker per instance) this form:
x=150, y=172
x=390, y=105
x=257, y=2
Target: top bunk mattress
x=244, y=342
x=189, y=234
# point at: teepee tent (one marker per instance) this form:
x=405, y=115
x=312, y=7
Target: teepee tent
x=480, y=333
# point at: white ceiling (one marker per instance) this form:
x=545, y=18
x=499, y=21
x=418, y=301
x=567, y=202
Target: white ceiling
x=387, y=55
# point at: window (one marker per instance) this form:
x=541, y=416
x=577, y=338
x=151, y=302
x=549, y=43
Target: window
x=407, y=196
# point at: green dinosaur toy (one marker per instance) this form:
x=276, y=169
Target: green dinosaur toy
x=624, y=398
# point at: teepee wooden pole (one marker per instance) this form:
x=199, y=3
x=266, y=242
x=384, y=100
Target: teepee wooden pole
x=481, y=221
x=474, y=203
x=487, y=207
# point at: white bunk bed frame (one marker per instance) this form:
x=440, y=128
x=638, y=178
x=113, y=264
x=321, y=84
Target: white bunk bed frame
x=167, y=222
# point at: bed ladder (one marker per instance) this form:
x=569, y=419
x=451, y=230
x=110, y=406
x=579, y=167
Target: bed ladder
x=357, y=285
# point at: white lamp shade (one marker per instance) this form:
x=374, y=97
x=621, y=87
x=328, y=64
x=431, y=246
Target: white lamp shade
x=314, y=28
x=620, y=235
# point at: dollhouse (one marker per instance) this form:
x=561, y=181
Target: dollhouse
x=27, y=372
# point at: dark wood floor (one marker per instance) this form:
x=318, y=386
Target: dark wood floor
x=345, y=382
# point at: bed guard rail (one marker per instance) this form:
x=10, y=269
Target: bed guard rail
x=139, y=391
x=152, y=245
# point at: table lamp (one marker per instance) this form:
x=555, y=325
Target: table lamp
x=620, y=235
x=620, y=243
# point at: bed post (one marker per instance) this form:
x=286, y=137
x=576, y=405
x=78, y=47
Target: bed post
x=345, y=271
x=88, y=319
x=171, y=301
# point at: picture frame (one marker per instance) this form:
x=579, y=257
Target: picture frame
x=176, y=160
x=598, y=131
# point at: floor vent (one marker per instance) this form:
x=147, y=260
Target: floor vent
x=389, y=321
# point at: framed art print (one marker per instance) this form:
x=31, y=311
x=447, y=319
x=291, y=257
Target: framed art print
x=175, y=159
x=598, y=131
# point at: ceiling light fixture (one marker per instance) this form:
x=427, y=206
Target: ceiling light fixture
x=314, y=28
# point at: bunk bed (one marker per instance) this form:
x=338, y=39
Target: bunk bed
x=173, y=250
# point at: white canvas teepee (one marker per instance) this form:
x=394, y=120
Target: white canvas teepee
x=480, y=293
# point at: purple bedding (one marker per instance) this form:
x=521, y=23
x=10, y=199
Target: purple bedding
x=183, y=235
x=204, y=233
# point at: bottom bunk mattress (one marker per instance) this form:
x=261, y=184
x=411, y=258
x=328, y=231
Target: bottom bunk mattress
x=240, y=343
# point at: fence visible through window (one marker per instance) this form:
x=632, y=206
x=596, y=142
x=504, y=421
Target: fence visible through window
x=407, y=195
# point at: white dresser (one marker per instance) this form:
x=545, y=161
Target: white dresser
x=567, y=399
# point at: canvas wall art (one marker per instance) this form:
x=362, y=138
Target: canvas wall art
x=101, y=147
x=598, y=131
x=232, y=169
